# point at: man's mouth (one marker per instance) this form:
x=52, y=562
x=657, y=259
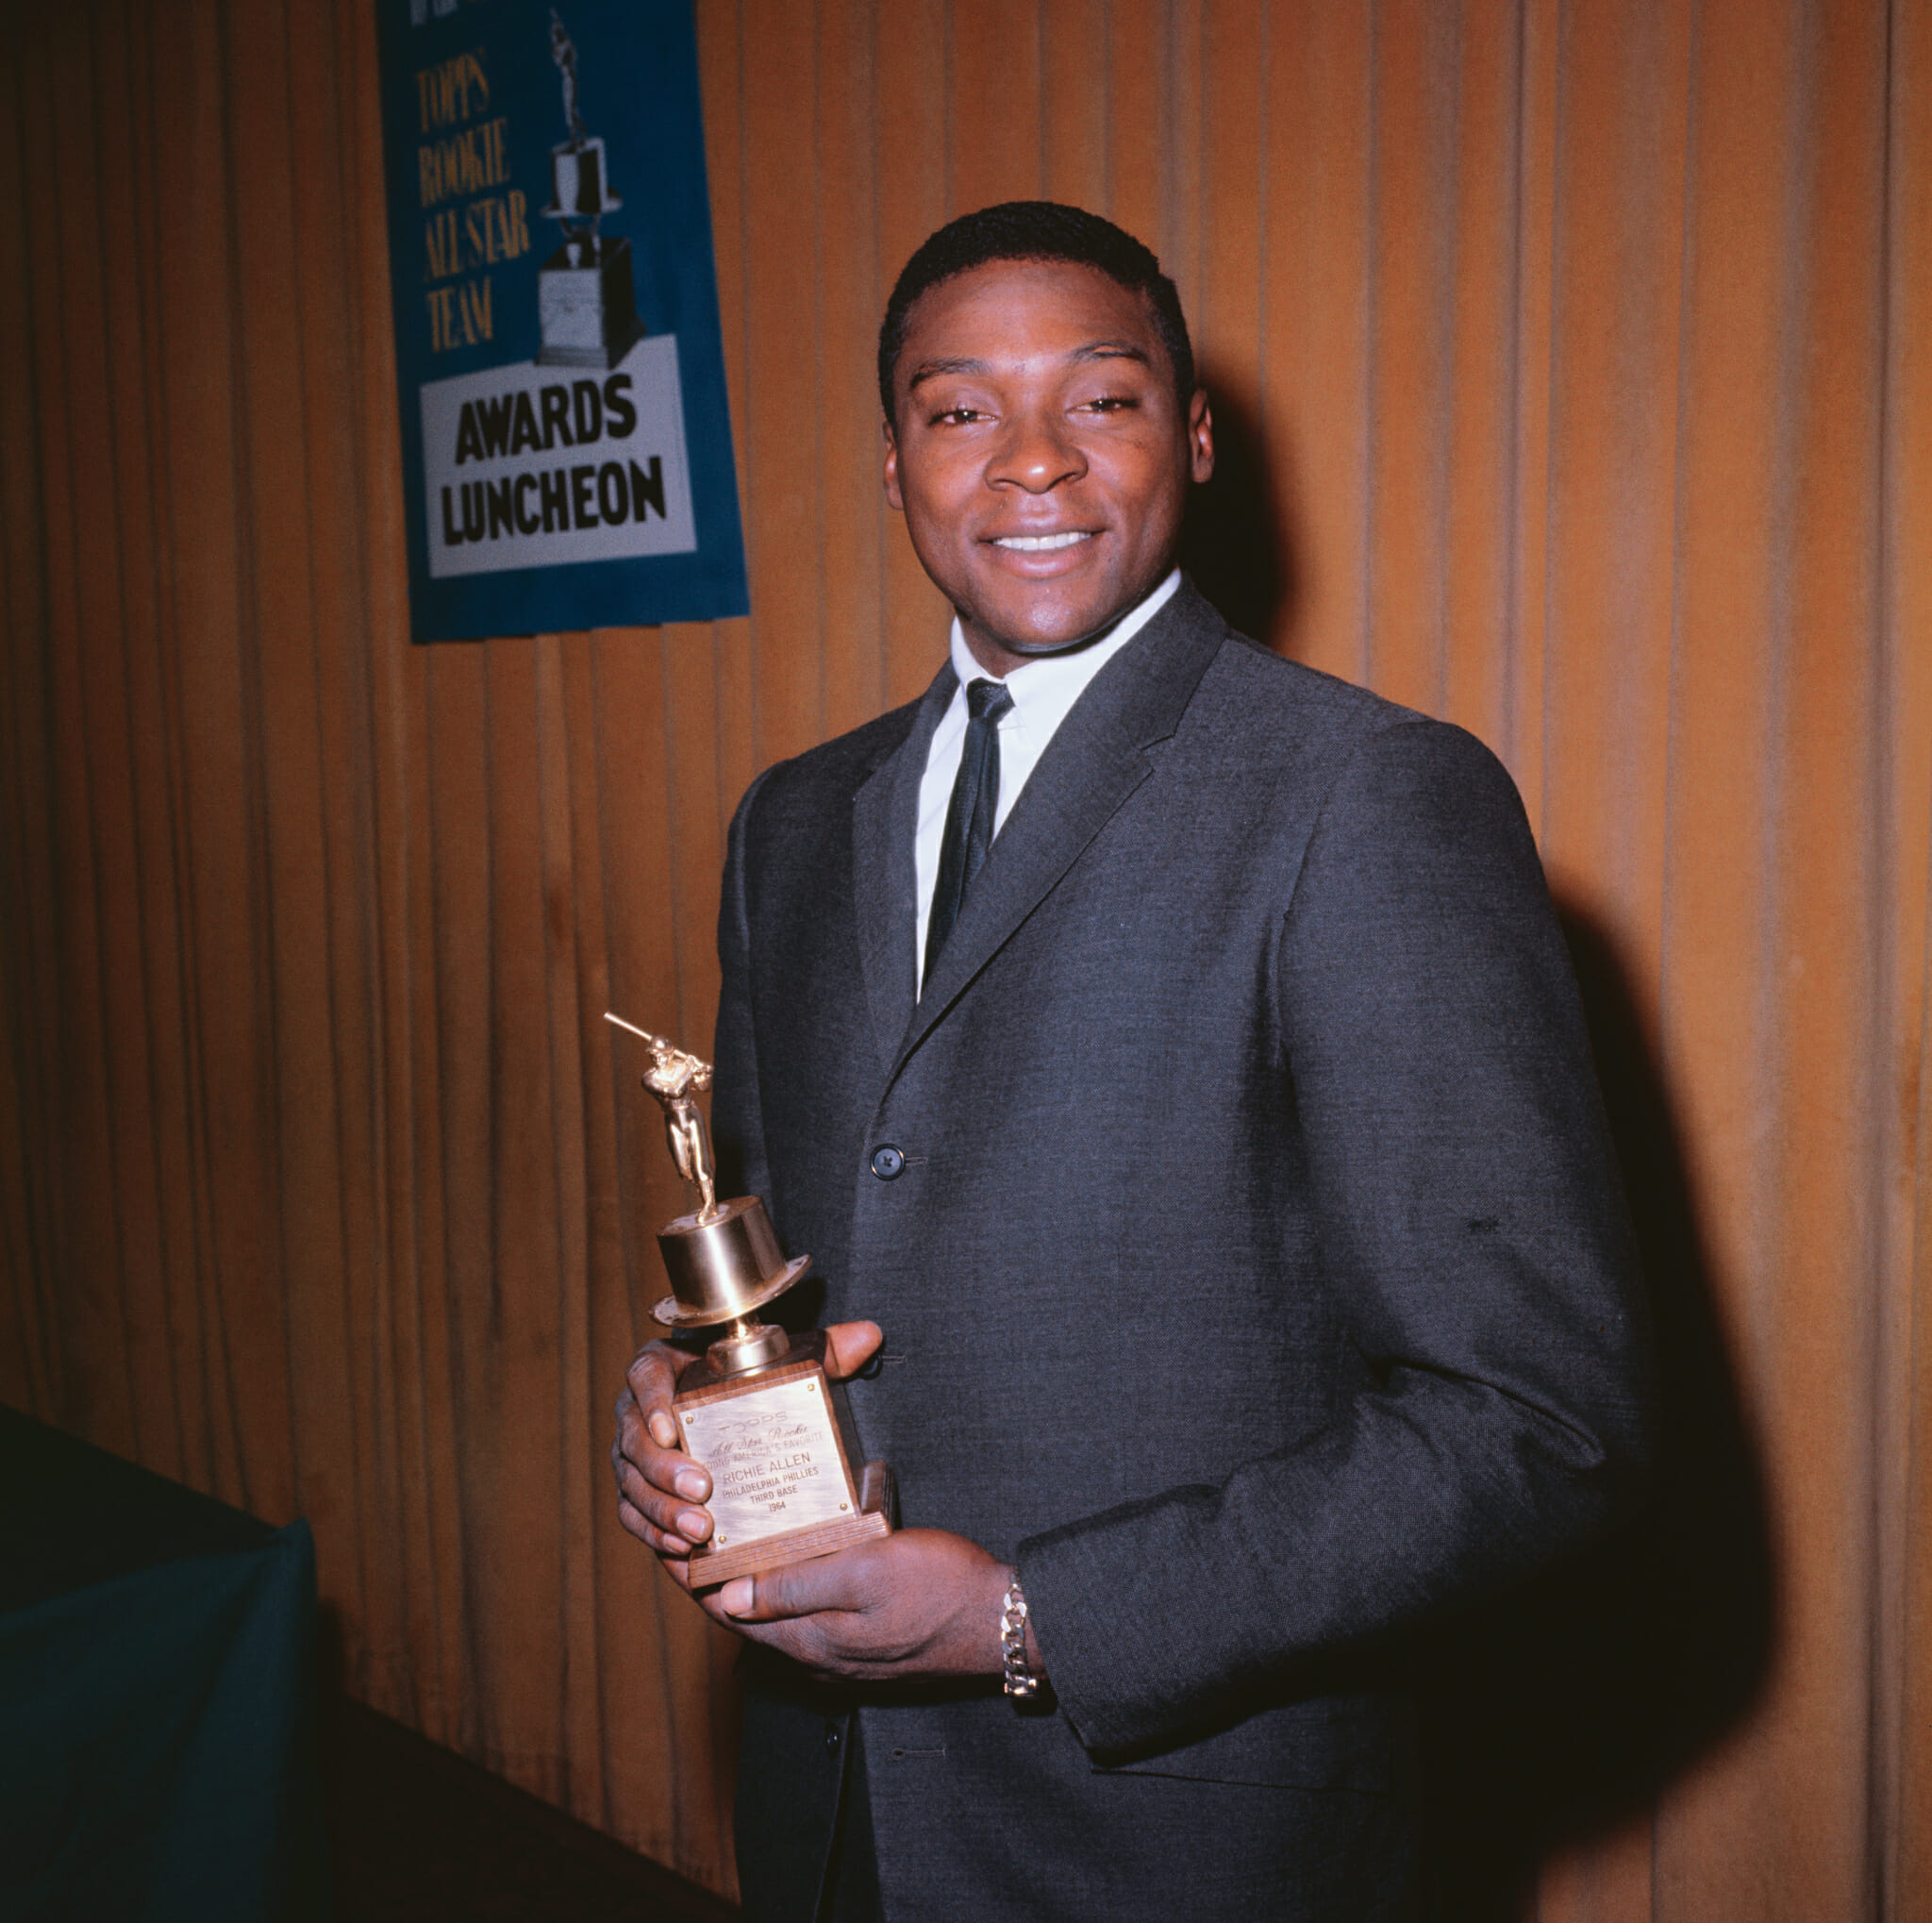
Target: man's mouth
x=1041, y=544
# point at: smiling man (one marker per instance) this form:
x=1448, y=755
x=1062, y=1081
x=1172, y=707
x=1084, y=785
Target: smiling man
x=1172, y=1051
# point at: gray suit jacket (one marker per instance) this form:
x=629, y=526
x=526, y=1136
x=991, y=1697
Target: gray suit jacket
x=1258, y=1277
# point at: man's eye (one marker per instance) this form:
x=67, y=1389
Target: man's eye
x=1110, y=404
x=954, y=417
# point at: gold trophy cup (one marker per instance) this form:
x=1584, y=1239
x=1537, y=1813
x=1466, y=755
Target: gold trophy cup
x=757, y=1408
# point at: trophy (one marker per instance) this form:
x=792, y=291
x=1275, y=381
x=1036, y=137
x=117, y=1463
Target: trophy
x=586, y=298
x=757, y=1408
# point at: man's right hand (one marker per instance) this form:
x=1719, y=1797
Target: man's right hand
x=660, y=1491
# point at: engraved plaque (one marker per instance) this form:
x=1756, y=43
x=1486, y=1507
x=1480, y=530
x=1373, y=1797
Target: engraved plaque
x=775, y=1459
x=782, y=1488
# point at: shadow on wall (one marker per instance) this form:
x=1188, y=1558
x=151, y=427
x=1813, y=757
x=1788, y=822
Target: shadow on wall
x=1565, y=1710
x=1235, y=541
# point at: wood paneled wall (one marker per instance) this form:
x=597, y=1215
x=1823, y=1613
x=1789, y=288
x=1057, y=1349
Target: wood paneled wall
x=1573, y=380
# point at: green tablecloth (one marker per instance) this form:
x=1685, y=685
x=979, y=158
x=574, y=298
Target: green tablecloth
x=157, y=1698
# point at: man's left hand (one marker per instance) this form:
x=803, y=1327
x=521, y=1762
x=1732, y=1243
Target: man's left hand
x=923, y=1602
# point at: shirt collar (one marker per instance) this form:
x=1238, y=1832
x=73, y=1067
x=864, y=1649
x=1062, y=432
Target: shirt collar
x=1054, y=682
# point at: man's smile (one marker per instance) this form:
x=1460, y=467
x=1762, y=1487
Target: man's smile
x=1041, y=544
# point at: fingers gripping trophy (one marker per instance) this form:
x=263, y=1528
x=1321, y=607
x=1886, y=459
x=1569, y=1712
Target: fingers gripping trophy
x=757, y=1408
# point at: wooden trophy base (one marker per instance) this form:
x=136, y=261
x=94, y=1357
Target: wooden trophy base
x=774, y=1443
x=710, y=1566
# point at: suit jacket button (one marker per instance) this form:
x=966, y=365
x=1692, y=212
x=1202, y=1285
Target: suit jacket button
x=886, y=1162
x=832, y=1739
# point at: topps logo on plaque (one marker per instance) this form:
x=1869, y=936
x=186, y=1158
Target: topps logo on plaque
x=567, y=448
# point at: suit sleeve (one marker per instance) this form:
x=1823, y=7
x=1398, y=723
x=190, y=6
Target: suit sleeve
x=738, y=1130
x=1471, y=1230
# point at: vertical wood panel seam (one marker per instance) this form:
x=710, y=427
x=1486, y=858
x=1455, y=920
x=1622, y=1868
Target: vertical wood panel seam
x=1107, y=112
x=1667, y=891
x=1368, y=428
x=1172, y=127
x=1512, y=476
x=612, y=1814
x=107, y=1093
x=377, y=934
x=465, y=1735
x=815, y=94
x=1687, y=255
x=302, y=457
x=667, y=1675
x=876, y=271
x=367, y=833
x=1884, y=1810
x=257, y=836
x=1444, y=477
x=149, y=1018
x=1198, y=209
x=138, y=294
x=1552, y=396
x=420, y=1179
x=753, y=650
x=1892, y=1691
x=546, y=692
x=1769, y=1052
x=396, y=1270
x=724, y=802
x=1874, y=1108
x=26, y=1026
x=881, y=514
x=1919, y=1264
x=495, y=924
x=673, y=835
x=188, y=1013
x=92, y=696
x=1043, y=174
x=1264, y=215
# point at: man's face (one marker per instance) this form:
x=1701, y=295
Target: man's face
x=1040, y=454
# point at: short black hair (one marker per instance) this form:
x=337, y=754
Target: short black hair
x=1036, y=230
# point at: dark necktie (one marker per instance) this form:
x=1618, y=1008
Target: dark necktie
x=969, y=813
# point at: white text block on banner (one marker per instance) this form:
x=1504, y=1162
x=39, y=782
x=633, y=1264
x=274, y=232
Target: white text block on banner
x=531, y=466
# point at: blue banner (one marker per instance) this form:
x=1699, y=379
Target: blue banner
x=566, y=440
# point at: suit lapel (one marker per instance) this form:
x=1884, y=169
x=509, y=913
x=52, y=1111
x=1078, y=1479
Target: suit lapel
x=885, y=884
x=1098, y=757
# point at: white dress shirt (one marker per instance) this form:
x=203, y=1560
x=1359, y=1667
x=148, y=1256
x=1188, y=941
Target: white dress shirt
x=1044, y=694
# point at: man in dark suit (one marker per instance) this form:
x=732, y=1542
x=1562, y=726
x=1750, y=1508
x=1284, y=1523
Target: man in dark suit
x=1173, y=1050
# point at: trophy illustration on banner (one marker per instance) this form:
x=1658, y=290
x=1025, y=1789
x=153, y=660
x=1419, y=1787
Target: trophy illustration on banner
x=757, y=1408
x=586, y=298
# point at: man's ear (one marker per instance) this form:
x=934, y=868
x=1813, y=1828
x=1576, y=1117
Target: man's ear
x=892, y=497
x=1200, y=437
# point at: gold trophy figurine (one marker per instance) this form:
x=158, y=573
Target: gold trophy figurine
x=674, y=1078
x=757, y=1408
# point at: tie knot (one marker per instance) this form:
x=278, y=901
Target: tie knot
x=987, y=700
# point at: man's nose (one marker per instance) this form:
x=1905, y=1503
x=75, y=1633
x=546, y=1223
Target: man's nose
x=1035, y=454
